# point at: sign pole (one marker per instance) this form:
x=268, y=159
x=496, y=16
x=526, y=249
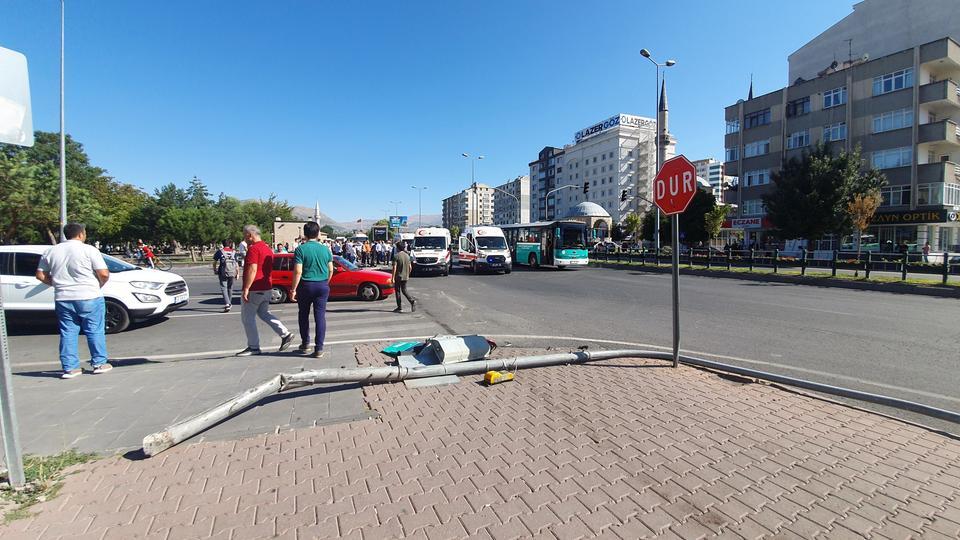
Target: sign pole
x=675, y=222
x=8, y=414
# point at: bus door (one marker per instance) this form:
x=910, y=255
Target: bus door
x=546, y=246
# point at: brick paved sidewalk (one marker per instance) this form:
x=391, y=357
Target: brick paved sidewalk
x=615, y=449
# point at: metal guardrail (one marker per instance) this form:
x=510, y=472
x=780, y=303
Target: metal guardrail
x=943, y=264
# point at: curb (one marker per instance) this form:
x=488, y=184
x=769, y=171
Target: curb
x=898, y=288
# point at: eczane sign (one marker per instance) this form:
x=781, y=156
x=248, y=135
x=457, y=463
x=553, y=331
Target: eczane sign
x=16, y=122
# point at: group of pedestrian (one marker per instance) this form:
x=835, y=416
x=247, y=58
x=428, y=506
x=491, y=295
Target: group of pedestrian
x=364, y=253
x=77, y=272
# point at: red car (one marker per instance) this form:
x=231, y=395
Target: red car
x=348, y=281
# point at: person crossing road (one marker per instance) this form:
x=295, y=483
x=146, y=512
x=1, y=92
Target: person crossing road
x=401, y=275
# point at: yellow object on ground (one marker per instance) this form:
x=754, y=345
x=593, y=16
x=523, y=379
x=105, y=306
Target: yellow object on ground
x=494, y=377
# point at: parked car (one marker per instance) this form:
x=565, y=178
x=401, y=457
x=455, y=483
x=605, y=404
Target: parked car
x=132, y=294
x=348, y=280
x=608, y=246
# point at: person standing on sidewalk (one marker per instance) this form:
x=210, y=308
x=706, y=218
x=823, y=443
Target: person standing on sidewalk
x=256, y=293
x=77, y=271
x=401, y=274
x=313, y=266
x=226, y=267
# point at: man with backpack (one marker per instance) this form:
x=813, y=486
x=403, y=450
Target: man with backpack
x=227, y=268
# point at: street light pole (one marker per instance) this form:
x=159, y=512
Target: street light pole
x=473, y=186
x=63, y=139
x=419, y=204
x=660, y=148
x=545, y=197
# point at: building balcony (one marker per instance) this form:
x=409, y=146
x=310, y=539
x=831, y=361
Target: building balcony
x=941, y=96
x=945, y=172
x=944, y=131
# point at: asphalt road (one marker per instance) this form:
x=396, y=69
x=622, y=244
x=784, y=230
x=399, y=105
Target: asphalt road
x=899, y=345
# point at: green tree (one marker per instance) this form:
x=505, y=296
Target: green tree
x=455, y=231
x=633, y=225
x=811, y=194
x=713, y=220
x=648, y=222
x=328, y=230
x=197, y=194
x=693, y=220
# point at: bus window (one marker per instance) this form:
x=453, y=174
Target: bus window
x=572, y=236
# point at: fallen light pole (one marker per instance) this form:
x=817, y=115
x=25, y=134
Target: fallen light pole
x=155, y=443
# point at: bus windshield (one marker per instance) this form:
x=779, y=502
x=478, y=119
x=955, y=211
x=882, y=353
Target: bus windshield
x=491, y=242
x=572, y=236
x=429, y=242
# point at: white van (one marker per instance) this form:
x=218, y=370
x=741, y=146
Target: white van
x=484, y=248
x=430, y=251
x=132, y=294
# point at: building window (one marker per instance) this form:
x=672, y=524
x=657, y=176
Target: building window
x=798, y=107
x=798, y=139
x=756, y=148
x=755, y=119
x=835, y=132
x=611, y=155
x=753, y=207
x=757, y=178
x=594, y=183
x=894, y=157
x=733, y=126
x=835, y=97
x=893, y=120
x=732, y=154
x=603, y=157
x=898, y=80
x=895, y=195
x=594, y=159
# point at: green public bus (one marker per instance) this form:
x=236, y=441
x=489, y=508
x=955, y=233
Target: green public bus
x=553, y=243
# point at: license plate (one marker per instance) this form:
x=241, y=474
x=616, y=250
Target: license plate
x=495, y=265
x=179, y=298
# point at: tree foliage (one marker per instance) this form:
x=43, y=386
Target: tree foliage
x=114, y=211
x=713, y=220
x=811, y=194
x=633, y=225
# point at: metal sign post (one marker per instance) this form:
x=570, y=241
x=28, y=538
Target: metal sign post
x=673, y=189
x=8, y=414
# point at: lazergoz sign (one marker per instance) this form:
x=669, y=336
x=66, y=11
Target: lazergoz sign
x=675, y=185
x=612, y=122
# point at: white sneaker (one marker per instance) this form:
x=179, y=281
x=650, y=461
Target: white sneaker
x=71, y=374
x=102, y=368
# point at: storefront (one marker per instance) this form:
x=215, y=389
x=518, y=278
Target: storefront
x=748, y=231
x=941, y=228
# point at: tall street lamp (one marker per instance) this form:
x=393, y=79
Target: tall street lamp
x=63, y=139
x=419, y=204
x=473, y=184
x=660, y=148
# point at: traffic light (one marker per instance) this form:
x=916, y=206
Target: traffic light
x=586, y=187
x=623, y=196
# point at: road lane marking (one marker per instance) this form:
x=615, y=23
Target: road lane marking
x=736, y=359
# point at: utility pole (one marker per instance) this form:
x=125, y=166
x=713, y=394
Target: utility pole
x=63, y=137
x=660, y=146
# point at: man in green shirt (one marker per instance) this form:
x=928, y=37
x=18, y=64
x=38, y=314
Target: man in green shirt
x=313, y=266
x=401, y=274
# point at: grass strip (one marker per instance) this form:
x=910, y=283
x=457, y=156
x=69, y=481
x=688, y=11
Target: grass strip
x=44, y=475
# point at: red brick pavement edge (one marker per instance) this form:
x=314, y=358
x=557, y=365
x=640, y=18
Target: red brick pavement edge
x=615, y=449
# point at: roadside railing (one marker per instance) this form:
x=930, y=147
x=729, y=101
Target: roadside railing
x=943, y=264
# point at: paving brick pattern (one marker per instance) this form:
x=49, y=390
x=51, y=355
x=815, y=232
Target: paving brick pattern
x=617, y=449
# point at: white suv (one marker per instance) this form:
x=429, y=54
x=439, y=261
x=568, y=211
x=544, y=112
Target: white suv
x=132, y=294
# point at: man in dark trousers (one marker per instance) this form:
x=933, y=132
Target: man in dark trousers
x=401, y=274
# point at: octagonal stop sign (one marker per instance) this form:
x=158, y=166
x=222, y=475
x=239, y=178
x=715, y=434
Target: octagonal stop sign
x=675, y=185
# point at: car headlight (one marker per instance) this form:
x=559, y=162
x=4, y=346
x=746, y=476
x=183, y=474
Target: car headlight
x=147, y=298
x=149, y=285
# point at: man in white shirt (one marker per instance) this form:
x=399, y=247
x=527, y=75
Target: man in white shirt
x=77, y=271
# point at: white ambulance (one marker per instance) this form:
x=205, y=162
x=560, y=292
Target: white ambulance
x=484, y=248
x=430, y=251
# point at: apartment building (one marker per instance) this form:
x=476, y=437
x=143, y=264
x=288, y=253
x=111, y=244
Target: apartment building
x=711, y=170
x=472, y=206
x=902, y=109
x=511, y=202
x=543, y=180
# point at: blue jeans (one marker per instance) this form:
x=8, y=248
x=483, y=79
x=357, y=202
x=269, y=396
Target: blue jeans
x=86, y=315
x=312, y=295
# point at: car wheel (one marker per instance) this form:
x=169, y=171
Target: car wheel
x=534, y=263
x=368, y=292
x=117, y=318
x=508, y=270
x=278, y=295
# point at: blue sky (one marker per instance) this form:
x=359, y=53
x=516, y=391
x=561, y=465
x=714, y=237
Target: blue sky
x=352, y=103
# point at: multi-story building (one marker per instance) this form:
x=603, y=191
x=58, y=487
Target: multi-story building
x=543, y=180
x=711, y=170
x=616, y=157
x=472, y=206
x=511, y=202
x=898, y=107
